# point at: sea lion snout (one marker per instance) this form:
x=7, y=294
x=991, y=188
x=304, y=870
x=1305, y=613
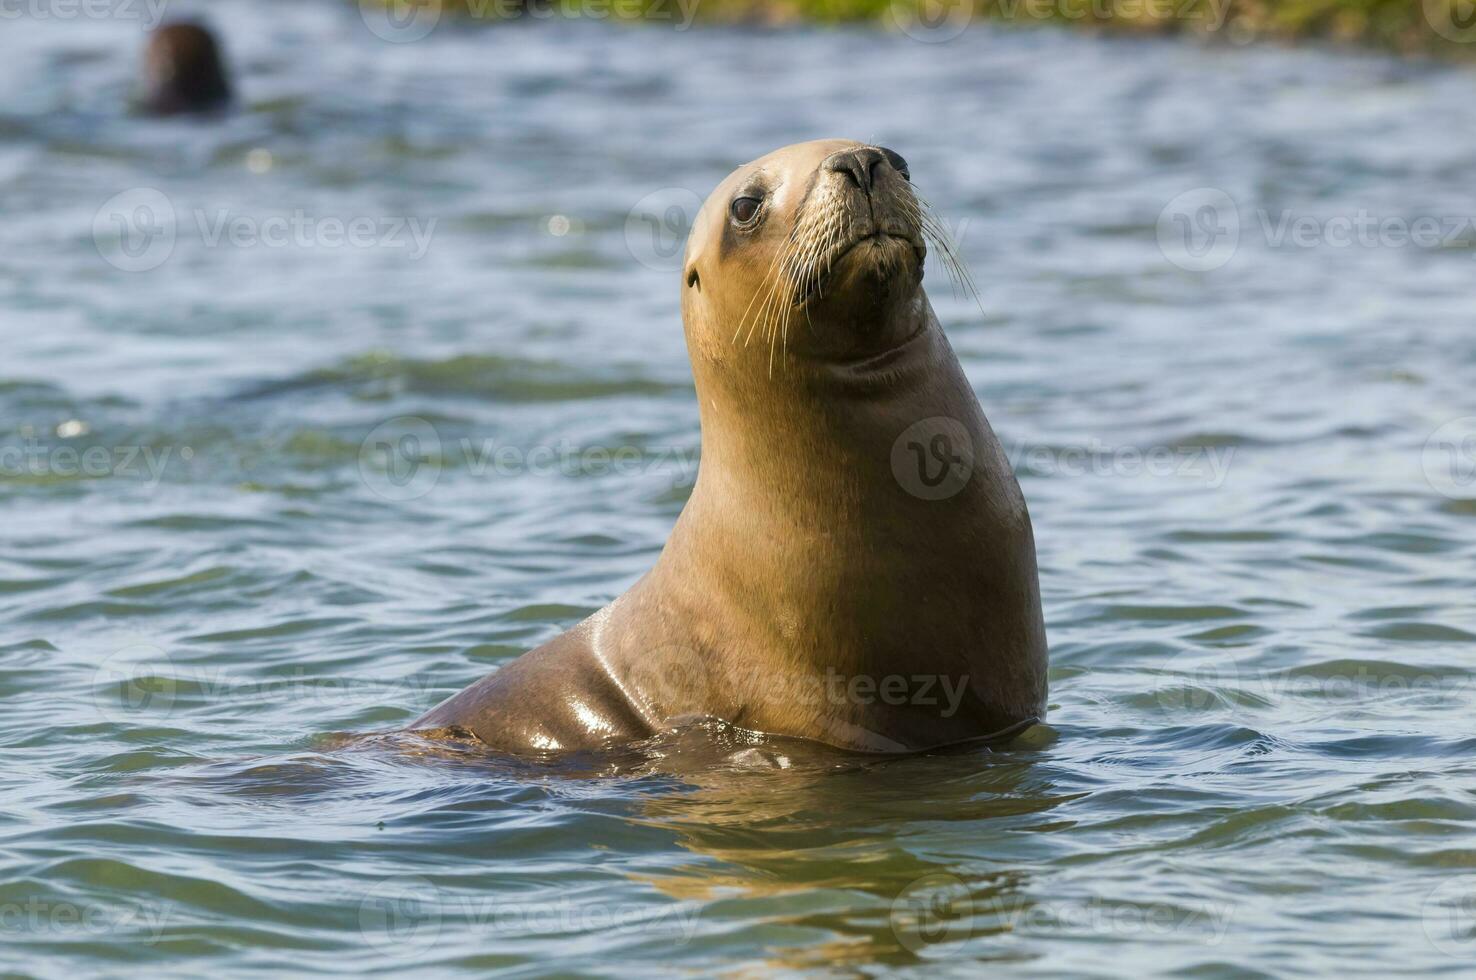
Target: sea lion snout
x=859, y=164
x=867, y=217
x=869, y=196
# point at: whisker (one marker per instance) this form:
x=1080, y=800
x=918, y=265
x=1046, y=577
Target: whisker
x=757, y=290
x=937, y=234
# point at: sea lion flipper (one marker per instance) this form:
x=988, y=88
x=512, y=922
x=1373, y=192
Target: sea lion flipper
x=556, y=697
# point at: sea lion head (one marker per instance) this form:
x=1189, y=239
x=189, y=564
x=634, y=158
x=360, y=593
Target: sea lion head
x=184, y=71
x=814, y=251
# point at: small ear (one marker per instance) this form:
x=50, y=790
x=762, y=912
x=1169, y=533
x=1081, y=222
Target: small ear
x=693, y=279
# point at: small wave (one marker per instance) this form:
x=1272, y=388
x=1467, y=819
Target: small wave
x=487, y=377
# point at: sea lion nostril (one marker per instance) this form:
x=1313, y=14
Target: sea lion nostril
x=895, y=159
x=857, y=164
x=845, y=163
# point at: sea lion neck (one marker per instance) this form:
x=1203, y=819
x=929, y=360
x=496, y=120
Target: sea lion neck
x=833, y=419
x=851, y=343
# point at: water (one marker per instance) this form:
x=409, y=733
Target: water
x=1250, y=491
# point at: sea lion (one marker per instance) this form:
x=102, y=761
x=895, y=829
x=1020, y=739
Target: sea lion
x=855, y=564
x=183, y=71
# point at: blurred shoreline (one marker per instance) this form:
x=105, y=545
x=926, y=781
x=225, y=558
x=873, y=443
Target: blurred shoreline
x=1441, y=28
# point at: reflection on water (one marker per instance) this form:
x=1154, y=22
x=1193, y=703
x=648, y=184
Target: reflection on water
x=823, y=851
x=267, y=484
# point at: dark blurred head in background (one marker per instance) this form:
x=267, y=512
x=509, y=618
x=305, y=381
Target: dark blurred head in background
x=184, y=72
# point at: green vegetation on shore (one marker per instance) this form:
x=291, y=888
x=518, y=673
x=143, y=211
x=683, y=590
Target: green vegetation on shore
x=1406, y=25
x=1413, y=26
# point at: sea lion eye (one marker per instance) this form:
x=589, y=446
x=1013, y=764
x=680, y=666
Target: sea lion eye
x=744, y=208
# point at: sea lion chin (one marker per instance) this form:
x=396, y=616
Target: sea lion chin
x=856, y=563
x=184, y=72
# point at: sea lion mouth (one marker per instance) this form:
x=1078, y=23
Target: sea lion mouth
x=885, y=250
